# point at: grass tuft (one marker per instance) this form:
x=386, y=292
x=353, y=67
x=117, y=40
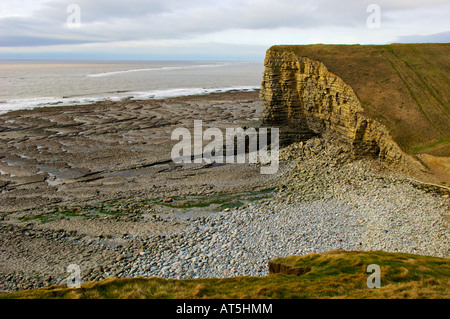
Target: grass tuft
x=334, y=274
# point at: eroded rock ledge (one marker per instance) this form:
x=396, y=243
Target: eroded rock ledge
x=305, y=99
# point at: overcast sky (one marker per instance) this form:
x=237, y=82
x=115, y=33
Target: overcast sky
x=208, y=29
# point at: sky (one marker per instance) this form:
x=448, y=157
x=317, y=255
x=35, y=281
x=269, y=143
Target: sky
x=208, y=29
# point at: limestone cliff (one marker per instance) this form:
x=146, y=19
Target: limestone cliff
x=303, y=98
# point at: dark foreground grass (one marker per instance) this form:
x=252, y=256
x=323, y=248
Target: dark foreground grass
x=334, y=274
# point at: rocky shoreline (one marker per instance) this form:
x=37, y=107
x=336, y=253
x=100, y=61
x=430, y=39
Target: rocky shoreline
x=188, y=222
x=371, y=213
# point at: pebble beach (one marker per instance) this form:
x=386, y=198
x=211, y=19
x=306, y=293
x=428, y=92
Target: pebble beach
x=370, y=213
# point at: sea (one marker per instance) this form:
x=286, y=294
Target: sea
x=26, y=84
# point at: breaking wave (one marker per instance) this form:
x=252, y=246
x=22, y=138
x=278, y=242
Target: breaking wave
x=164, y=68
x=23, y=104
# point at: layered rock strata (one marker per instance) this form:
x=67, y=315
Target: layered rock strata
x=304, y=99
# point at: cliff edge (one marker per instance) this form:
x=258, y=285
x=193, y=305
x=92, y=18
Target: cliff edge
x=305, y=98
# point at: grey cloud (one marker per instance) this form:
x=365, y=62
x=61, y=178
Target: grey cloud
x=110, y=10
x=407, y=4
x=118, y=20
x=17, y=41
x=441, y=37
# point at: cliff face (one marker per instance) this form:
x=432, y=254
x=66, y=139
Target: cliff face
x=303, y=98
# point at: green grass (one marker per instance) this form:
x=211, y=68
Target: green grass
x=422, y=148
x=334, y=274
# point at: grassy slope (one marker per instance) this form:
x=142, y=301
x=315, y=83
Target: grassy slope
x=404, y=86
x=335, y=274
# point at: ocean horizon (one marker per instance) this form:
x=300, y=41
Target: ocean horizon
x=28, y=84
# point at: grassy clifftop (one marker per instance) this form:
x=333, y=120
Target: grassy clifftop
x=406, y=87
x=334, y=274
